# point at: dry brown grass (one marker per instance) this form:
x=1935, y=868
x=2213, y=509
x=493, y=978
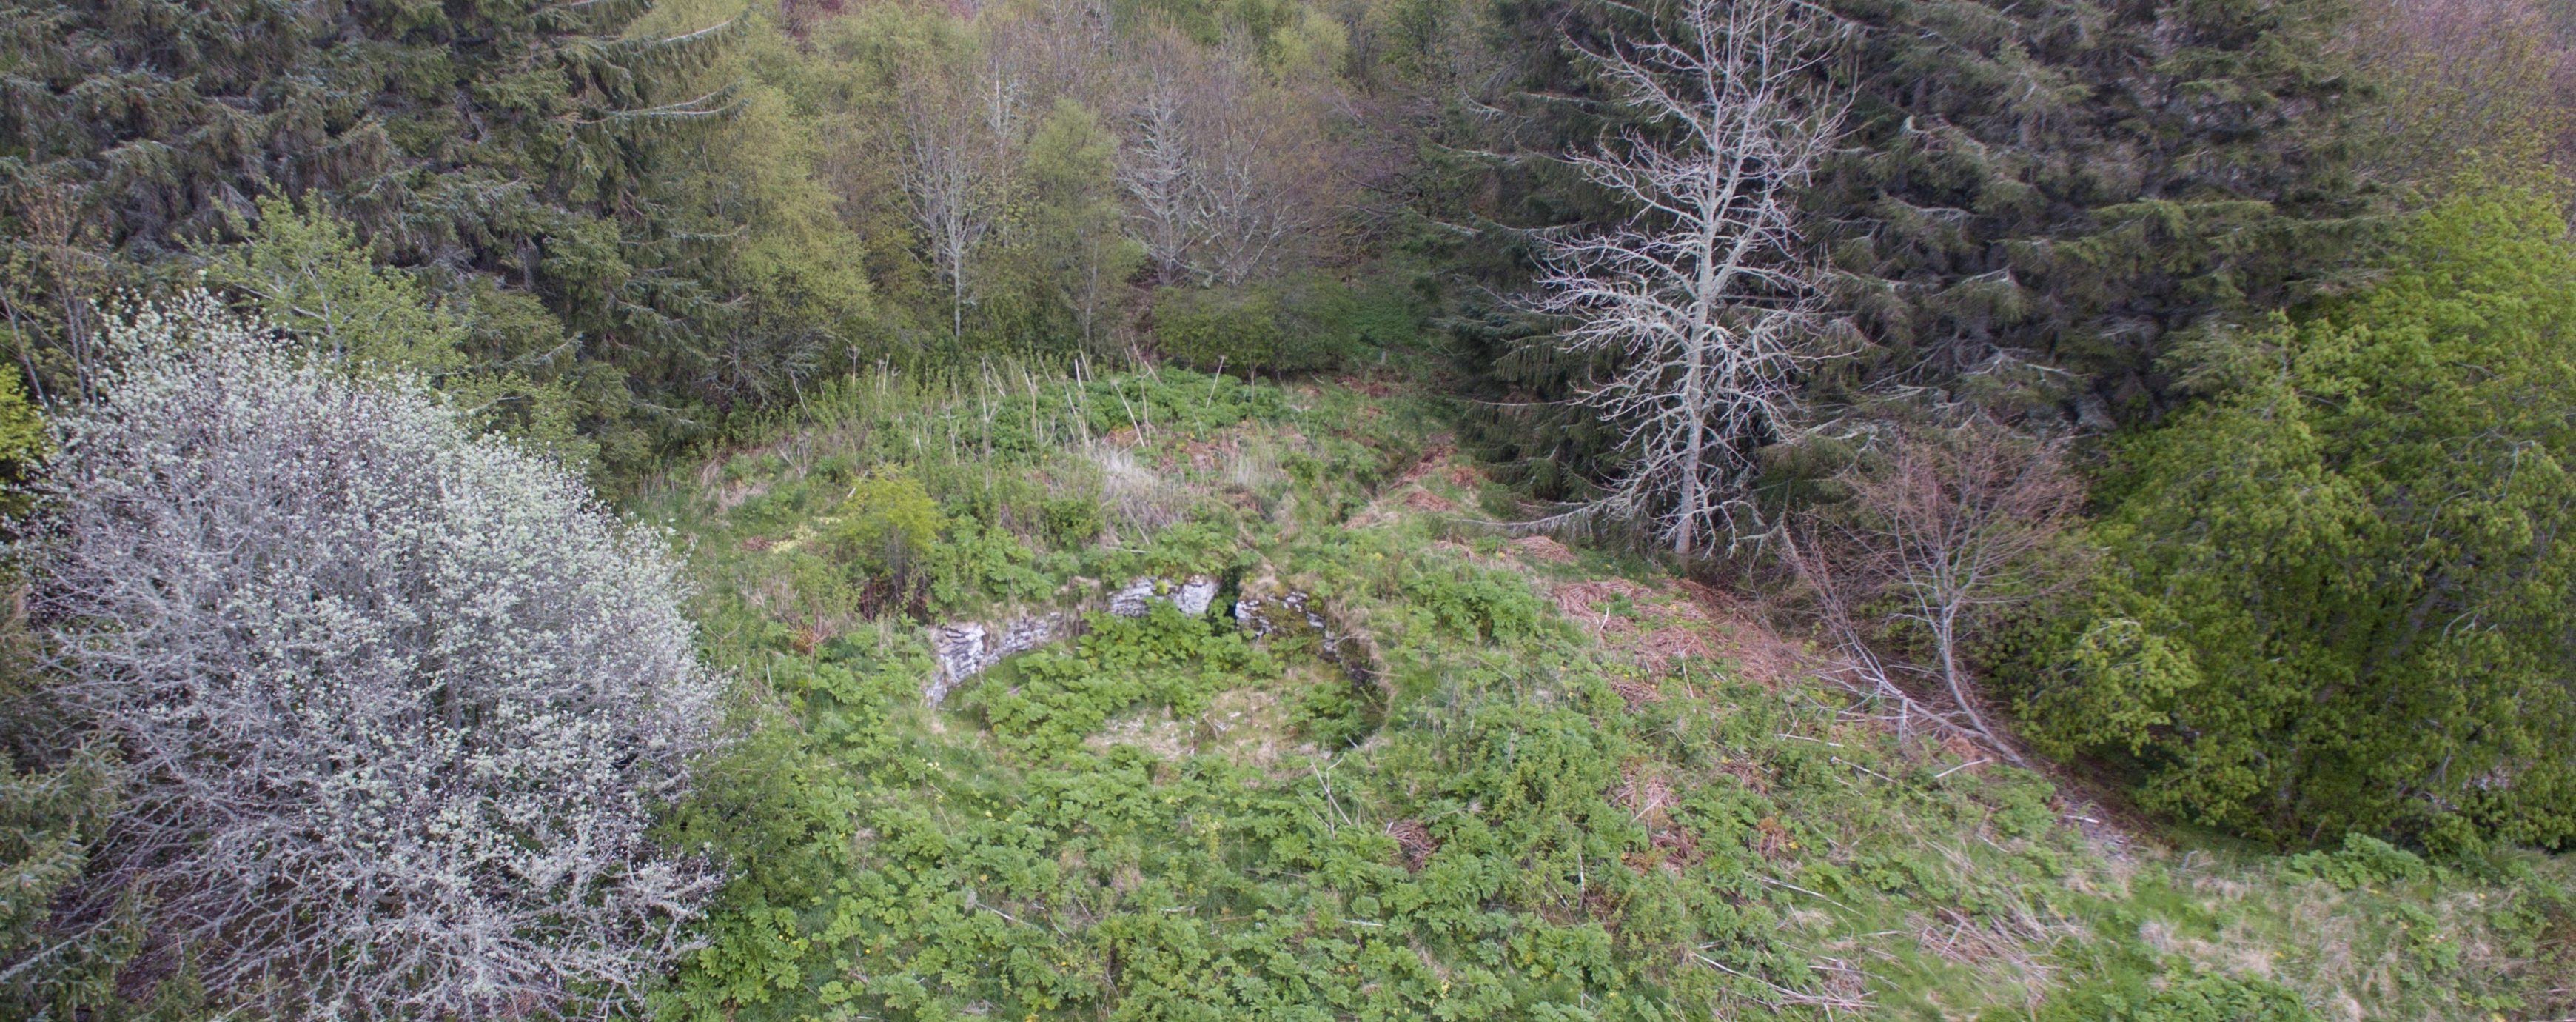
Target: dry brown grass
x=1661, y=628
x=1588, y=602
x=1429, y=502
x=1413, y=841
x=1636, y=692
x=1544, y=549
x=1435, y=457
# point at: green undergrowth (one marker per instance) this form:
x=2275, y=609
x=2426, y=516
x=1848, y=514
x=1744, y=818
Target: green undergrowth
x=1452, y=801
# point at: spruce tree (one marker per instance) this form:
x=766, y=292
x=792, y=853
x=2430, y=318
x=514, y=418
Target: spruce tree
x=508, y=151
x=2040, y=201
x=2033, y=206
x=2335, y=593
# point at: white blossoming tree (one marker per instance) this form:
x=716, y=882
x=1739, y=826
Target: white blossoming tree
x=399, y=700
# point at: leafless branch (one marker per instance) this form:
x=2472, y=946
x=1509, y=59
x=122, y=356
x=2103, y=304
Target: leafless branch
x=1955, y=524
x=1706, y=298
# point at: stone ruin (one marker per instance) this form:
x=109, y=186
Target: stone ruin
x=968, y=648
x=965, y=649
x=1268, y=609
x=1137, y=599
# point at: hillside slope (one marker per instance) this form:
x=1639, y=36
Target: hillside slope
x=1429, y=770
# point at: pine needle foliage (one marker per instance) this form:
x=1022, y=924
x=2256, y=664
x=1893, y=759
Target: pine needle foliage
x=2040, y=200
x=564, y=153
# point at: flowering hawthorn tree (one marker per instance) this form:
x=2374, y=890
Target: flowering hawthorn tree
x=399, y=700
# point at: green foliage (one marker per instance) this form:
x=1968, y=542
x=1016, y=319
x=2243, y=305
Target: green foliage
x=975, y=563
x=74, y=942
x=66, y=939
x=2332, y=598
x=1073, y=255
x=1032, y=848
x=50, y=820
x=1167, y=819
x=1338, y=712
x=596, y=193
x=2544, y=931
x=2330, y=606
x=2107, y=179
x=1303, y=326
x=1477, y=605
x=1049, y=702
x=1071, y=521
x=305, y=271
x=2448, y=108
x=886, y=524
x=749, y=211
x=23, y=444
x=2363, y=861
x=2192, y=996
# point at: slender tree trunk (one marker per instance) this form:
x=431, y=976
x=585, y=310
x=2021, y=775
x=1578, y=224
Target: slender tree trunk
x=1945, y=634
x=1694, y=398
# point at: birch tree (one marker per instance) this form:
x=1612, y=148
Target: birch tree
x=1157, y=172
x=949, y=174
x=1705, y=299
x=1225, y=167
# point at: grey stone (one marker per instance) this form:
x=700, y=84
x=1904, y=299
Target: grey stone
x=968, y=648
x=1195, y=595
x=1190, y=596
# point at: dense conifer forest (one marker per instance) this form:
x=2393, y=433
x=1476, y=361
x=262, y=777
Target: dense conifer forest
x=1571, y=510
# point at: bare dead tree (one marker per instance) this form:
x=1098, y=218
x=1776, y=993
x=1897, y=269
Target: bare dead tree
x=1004, y=94
x=951, y=170
x=1060, y=49
x=1955, y=525
x=1157, y=171
x=398, y=702
x=1227, y=169
x=1243, y=215
x=1706, y=297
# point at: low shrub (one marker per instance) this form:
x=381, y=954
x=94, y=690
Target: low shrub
x=2208, y=997
x=885, y=527
x=2363, y=861
x=1305, y=325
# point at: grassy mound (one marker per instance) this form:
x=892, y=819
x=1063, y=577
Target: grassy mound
x=1453, y=775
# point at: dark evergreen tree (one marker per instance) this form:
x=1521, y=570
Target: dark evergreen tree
x=2034, y=205
x=1499, y=94
x=504, y=151
x=2042, y=200
x=66, y=951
